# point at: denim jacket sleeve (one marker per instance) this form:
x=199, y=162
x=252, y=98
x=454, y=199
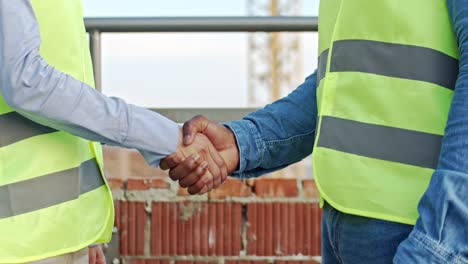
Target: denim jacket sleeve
x=278, y=135
x=441, y=232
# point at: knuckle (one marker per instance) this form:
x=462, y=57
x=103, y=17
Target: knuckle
x=189, y=164
x=200, y=171
x=199, y=118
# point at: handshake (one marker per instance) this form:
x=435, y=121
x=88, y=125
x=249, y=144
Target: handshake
x=207, y=153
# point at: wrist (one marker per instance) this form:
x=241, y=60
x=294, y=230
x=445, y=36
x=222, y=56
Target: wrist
x=234, y=148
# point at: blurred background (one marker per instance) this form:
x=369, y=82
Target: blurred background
x=272, y=220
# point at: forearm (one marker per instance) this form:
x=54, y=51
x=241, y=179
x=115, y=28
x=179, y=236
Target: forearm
x=279, y=134
x=440, y=234
x=55, y=99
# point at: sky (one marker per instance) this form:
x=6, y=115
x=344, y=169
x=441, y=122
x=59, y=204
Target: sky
x=176, y=70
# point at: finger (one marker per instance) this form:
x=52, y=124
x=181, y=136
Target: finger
x=192, y=127
x=185, y=167
x=198, y=187
x=204, y=190
x=206, y=180
x=219, y=161
x=91, y=255
x=214, y=171
x=194, y=176
x=171, y=162
x=223, y=172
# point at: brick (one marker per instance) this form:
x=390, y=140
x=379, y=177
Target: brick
x=115, y=184
x=137, y=261
x=276, y=188
x=269, y=229
x=236, y=229
x=156, y=261
x=277, y=247
x=246, y=262
x=231, y=188
x=228, y=230
x=124, y=229
x=316, y=233
x=195, y=228
x=252, y=228
x=174, y=210
x=308, y=226
x=189, y=237
x=140, y=228
x=261, y=237
x=131, y=228
x=284, y=225
x=299, y=224
x=141, y=184
x=292, y=229
x=220, y=223
x=212, y=229
x=310, y=189
x=156, y=229
x=117, y=214
x=165, y=227
x=196, y=234
x=181, y=232
x=132, y=222
x=204, y=229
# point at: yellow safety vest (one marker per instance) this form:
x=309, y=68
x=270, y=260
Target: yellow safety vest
x=53, y=196
x=387, y=70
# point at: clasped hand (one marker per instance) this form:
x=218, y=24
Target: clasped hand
x=206, y=155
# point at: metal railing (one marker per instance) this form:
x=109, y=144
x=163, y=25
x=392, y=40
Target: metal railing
x=97, y=26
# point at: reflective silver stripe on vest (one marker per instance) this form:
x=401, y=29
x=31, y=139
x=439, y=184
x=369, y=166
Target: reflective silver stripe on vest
x=395, y=60
x=322, y=66
x=380, y=142
x=49, y=190
x=15, y=127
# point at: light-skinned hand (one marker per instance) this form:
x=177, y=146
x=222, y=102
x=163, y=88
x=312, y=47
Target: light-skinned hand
x=199, y=165
x=223, y=140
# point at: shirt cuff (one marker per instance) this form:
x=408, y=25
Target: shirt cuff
x=154, y=135
x=251, y=146
x=419, y=248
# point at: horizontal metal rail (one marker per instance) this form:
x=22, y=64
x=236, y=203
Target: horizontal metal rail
x=96, y=26
x=180, y=115
x=202, y=24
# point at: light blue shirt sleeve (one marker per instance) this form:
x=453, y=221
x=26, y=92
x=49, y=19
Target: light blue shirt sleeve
x=278, y=135
x=52, y=98
x=441, y=232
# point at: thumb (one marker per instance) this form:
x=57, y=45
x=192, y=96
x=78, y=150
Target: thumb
x=195, y=125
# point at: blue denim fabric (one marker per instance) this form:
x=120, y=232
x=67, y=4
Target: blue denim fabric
x=282, y=133
x=278, y=135
x=354, y=239
x=441, y=233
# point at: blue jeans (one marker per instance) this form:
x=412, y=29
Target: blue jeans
x=354, y=239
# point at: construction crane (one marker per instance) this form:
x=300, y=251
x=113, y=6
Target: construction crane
x=274, y=59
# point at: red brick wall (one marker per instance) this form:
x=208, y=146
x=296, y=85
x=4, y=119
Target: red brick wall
x=259, y=221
